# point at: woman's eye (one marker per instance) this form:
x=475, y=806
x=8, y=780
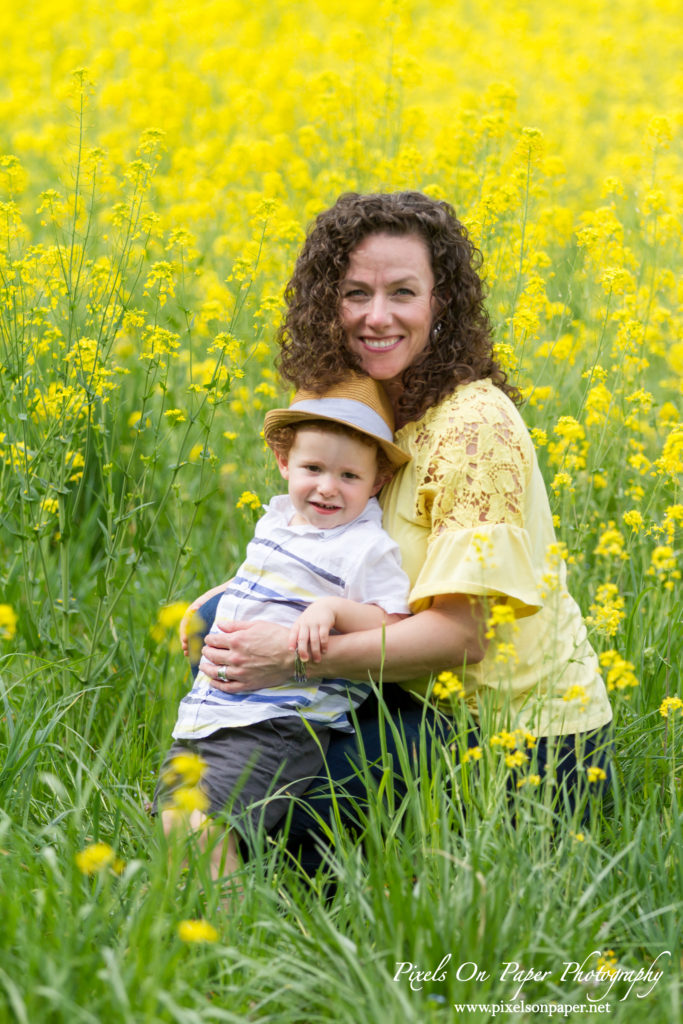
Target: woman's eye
x=354, y=293
x=405, y=291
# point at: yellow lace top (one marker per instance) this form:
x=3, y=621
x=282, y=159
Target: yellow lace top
x=470, y=514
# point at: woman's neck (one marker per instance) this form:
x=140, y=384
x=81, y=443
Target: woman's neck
x=394, y=390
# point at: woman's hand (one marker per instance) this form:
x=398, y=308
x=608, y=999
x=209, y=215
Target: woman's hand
x=250, y=655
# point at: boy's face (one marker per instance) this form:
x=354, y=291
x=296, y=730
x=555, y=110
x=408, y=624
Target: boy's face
x=331, y=477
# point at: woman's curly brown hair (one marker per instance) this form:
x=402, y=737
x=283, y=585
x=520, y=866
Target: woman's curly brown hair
x=314, y=353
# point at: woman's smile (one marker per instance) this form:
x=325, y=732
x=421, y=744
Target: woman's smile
x=379, y=344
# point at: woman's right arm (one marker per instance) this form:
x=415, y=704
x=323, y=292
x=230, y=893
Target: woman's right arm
x=444, y=636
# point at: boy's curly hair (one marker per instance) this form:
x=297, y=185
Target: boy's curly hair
x=313, y=350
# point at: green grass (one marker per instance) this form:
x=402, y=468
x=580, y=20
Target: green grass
x=93, y=548
x=434, y=875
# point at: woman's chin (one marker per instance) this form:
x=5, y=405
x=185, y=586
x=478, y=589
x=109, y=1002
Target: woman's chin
x=380, y=368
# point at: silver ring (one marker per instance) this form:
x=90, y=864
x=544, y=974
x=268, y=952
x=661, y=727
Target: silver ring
x=222, y=674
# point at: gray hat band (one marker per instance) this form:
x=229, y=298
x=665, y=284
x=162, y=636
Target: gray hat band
x=347, y=410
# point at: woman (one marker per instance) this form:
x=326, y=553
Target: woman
x=388, y=284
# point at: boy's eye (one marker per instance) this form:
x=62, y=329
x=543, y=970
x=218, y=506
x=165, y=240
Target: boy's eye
x=351, y=476
x=312, y=468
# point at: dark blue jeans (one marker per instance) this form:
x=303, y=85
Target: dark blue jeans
x=350, y=757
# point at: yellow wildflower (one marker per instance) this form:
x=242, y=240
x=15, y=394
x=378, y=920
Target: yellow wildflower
x=663, y=565
x=667, y=412
x=506, y=653
x=136, y=422
x=607, y=610
x=197, y=931
x=483, y=545
x=159, y=341
x=504, y=739
x=611, y=543
x=175, y=416
x=188, y=767
x=617, y=281
x=8, y=622
x=537, y=397
x=516, y=759
x=529, y=780
x=673, y=516
x=168, y=619
x=670, y=705
x=595, y=773
x=248, y=499
x=96, y=858
x=607, y=963
x=187, y=799
x=539, y=437
x=501, y=614
x=598, y=404
x=161, y=281
x=671, y=459
x=612, y=185
x=577, y=693
x=620, y=675
x=448, y=685
x=560, y=481
x=634, y=519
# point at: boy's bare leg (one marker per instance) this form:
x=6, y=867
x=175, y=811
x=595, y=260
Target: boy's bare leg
x=224, y=859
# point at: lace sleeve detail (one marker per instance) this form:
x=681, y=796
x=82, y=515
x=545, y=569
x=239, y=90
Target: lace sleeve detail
x=473, y=463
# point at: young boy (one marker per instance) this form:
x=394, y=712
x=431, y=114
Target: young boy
x=319, y=561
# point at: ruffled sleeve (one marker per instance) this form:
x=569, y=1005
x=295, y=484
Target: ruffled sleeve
x=491, y=560
x=474, y=480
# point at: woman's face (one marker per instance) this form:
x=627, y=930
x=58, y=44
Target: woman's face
x=387, y=303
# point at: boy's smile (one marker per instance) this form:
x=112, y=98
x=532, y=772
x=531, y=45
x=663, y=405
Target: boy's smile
x=331, y=477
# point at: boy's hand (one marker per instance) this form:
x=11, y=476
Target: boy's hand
x=192, y=628
x=192, y=625
x=310, y=633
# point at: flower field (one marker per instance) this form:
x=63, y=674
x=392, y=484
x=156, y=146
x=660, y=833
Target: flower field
x=159, y=165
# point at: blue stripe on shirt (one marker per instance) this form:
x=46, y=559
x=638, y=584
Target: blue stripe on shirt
x=217, y=698
x=252, y=583
x=245, y=595
x=302, y=561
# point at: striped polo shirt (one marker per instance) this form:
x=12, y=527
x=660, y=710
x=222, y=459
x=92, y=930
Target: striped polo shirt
x=285, y=569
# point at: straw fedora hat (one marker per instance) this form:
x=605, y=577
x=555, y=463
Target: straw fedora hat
x=358, y=402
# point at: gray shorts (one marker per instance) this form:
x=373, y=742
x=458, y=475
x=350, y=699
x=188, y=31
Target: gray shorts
x=251, y=770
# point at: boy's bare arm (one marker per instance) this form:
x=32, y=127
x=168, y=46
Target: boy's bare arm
x=311, y=631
